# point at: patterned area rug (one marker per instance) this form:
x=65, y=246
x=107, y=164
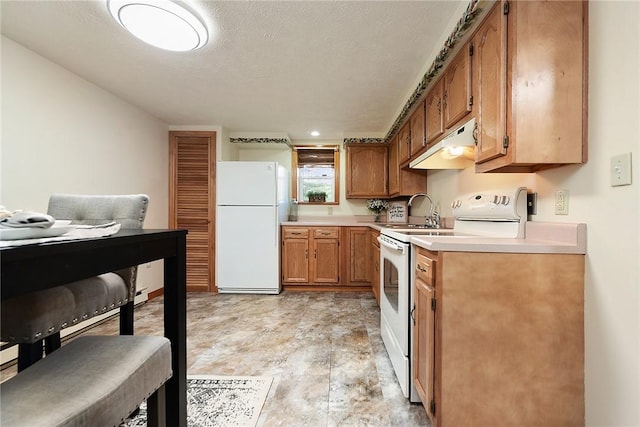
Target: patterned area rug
x=219, y=401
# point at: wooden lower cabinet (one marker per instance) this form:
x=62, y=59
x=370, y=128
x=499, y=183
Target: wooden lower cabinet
x=328, y=257
x=295, y=260
x=325, y=263
x=508, y=338
x=356, y=256
x=424, y=320
x=310, y=255
x=375, y=264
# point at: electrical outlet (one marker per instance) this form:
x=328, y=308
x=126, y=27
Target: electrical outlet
x=562, y=202
x=621, y=170
x=329, y=210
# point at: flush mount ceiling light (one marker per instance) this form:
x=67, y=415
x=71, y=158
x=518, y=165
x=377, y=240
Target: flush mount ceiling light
x=169, y=25
x=314, y=133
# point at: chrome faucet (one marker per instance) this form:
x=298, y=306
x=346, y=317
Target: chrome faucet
x=433, y=219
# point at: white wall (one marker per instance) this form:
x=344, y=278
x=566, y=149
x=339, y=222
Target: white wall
x=61, y=133
x=260, y=152
x=612, y=214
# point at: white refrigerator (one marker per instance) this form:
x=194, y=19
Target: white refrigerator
x=252, y=199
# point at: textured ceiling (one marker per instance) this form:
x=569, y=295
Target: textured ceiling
x=345, y=68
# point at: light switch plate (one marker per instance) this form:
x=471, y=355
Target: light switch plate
x=621, y=170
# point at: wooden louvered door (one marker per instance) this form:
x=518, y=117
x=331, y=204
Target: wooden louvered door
x=192, y=202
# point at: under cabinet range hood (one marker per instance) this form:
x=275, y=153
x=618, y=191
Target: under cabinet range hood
x=454, y=151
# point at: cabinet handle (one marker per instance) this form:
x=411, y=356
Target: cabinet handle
x=421, y=268
x=306, y=254
x=315, y=253
x=439, y=105
x=325, y=233
x=413, y=309
x=297, y=233
x=444, y=99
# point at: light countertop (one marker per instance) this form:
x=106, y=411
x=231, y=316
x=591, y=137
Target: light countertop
x=541, y=237
x=332, y=221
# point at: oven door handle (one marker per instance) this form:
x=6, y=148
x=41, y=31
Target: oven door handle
x=389, y=245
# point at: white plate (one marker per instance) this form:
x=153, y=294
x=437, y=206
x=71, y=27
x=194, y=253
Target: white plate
x=57, y=229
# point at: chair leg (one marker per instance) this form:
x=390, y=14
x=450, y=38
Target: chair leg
x=52, y=343
x=156, y=408
x=126, y=319
x=28, y=354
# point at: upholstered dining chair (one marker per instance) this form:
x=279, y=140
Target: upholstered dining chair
x=34, y=321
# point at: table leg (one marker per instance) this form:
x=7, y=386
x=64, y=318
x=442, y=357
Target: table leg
x=175, y=328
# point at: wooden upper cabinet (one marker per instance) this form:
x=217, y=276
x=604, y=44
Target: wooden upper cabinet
x=404, y=143
x=366, y=171
x=433, y=111
x=449, y=100
x=418, y=138
x=457, y=87
x=490, y=85
x=538, y=117
x=403, y=182
x=394, y=167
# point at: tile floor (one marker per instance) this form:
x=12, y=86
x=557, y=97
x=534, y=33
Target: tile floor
x=323, y=349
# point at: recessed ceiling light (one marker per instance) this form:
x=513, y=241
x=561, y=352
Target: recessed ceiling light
x=314, y=133
x=169, y=25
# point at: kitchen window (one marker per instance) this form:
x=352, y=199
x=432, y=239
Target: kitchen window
x=315, y=174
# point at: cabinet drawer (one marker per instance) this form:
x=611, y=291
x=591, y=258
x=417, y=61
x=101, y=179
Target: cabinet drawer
x=326, y=233
x=296, y=233
x=424, y=268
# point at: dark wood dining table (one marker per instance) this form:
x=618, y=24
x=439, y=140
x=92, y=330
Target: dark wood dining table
x=39, y=266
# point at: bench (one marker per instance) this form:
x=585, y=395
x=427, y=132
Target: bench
x=92, y=381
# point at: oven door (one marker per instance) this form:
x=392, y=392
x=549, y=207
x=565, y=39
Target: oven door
x=394, y=305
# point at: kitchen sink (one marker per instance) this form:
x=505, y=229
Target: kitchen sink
x=430, y=232
x=418, y=227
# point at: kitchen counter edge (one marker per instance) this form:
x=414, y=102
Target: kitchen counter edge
x=541, y=237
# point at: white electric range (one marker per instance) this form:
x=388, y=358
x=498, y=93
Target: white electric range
x=488, y=214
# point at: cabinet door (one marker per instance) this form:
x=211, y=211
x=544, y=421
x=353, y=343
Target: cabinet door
x=434, y=122
x=366, y=171
x=457, y=88
x=424, y=344
x=490, y=84
x=394, y=167
x=404, y=143
x=375, y=262
x=359, y=270
x=295, y=260
x=412, y=181
x=418, y=139
x=326, y=261
x=191, y=202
